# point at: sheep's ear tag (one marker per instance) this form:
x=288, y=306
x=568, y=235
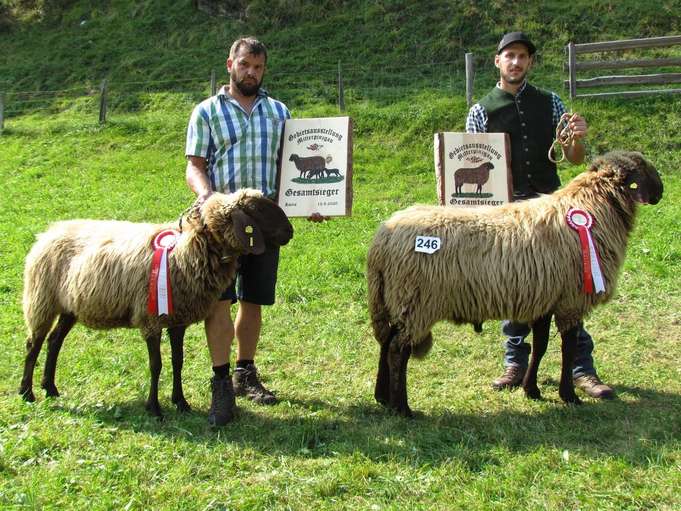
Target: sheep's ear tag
x=249, y=231
x=633, y=186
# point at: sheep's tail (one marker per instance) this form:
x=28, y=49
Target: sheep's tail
x=329, y=158
x=40, y=302
x=380, y=319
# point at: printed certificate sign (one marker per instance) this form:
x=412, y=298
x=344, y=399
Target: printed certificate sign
x=315, y=174
x=473, y=169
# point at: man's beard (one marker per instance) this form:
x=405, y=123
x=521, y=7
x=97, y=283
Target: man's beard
x=247, y=89
x=514, y=81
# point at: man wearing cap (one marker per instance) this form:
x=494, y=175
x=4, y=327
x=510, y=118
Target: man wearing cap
x=530, y=116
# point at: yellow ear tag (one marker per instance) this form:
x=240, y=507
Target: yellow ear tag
x=633, y=186
x=249, y=230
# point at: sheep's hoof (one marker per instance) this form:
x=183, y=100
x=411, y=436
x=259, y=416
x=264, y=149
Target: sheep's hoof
x=382, y=398
x=182, y=406
x=50, y=390
x=406, y=413
x=27, y=394
x=570, y=398
x=403, y=411
x=154, y=409
x=532, y=392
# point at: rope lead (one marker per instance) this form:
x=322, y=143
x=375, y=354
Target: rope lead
x=564, y=138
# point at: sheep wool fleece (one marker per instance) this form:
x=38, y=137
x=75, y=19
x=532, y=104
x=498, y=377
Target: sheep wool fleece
x=489, y=254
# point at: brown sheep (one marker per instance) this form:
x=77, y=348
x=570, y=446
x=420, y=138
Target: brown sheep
x=520, y=261
x=97, y=273
x=472, y=175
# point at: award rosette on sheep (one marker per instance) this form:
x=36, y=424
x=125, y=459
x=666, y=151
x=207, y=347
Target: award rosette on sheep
x=160, y=294
x=315, y=168
x=581, y=221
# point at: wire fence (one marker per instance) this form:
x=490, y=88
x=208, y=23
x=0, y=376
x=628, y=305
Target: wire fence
x=344, y=85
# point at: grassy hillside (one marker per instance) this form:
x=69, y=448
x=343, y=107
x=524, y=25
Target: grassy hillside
x=327, y=445
x=152, y=39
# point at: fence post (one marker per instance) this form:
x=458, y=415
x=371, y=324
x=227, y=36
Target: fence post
x=470, y=76
x=213, y=83
x=2, y=111
x=341, y=92
x=572, y=62
x=102, y=102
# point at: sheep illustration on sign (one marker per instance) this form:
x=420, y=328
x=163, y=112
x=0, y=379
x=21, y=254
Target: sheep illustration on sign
x=472, y=175
x=313, y=170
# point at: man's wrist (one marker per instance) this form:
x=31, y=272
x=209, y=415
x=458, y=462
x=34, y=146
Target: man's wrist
x=203, y=197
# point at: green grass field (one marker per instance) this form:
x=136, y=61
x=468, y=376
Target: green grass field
x=327, y=444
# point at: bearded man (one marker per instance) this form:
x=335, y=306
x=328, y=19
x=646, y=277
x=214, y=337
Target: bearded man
x=233, y=142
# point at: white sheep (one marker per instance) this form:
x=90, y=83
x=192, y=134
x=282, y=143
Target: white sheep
x=520, y=261
x=97, y=273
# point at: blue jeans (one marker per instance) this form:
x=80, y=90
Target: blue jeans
x=518, y=351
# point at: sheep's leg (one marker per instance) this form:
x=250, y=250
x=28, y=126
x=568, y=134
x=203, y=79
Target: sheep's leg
x=154, y=348
x=54, y=342
x=398, y=356
x=382, y=390
x=33, y=345
x=540, y=340
x=176, y=335
x=569, y=350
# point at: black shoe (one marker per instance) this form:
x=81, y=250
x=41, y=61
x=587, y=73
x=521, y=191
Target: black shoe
x=222, y=403
x=246, y=383
x=512, y=377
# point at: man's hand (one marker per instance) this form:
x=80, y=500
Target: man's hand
x=200, y=199
x=317, y=218
x=575, y=151
x=578, y=126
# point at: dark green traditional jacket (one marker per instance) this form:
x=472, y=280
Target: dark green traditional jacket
x=528, y=119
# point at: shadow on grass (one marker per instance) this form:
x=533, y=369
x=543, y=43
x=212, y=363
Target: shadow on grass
x=637, y=427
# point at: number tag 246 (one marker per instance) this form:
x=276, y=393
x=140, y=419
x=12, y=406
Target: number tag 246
x=427, y=244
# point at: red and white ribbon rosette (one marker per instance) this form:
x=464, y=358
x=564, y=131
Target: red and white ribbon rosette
x=160, y=296
x=581, y=221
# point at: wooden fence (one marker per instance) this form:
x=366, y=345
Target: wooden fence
x=650, y=79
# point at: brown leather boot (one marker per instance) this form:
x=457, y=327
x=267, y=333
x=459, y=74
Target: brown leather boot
x=512, y=377
x=592, y=385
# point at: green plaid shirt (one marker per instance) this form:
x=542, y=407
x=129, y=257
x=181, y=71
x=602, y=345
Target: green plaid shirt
x=241, y=149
